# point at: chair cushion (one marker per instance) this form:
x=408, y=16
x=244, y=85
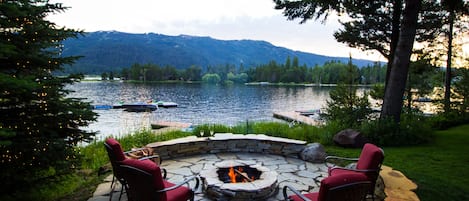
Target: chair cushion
x=116, y=149
x=370, y=158
x=311, y=196
x=339, y=180
x=150, y=167
x=181, y=193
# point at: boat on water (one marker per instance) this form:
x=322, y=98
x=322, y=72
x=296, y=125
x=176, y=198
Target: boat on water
x=139, y=107
x=165, y=104
x=309, y=112
x=101, y=107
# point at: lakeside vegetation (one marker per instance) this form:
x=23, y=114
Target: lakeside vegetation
x=331, y=72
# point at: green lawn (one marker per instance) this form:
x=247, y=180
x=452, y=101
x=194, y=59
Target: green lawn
x=439, y=168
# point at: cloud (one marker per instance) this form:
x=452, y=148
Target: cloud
x=221, y=19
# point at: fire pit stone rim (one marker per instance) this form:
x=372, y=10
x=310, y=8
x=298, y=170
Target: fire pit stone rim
x=267, y=180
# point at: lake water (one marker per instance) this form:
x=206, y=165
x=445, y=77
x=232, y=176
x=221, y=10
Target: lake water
x=197, y=103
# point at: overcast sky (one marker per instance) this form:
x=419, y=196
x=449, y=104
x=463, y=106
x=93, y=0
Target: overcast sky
x=219, y=19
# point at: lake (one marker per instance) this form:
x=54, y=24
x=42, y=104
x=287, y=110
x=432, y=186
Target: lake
x=197, y=103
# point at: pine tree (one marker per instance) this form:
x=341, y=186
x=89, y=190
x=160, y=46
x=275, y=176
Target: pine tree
x=39, y=124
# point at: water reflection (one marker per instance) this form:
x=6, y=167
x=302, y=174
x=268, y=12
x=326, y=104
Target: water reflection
x=198, y=103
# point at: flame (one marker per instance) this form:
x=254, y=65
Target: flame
x=232, y=175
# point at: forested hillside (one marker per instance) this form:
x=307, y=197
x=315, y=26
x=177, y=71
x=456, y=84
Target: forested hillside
x=112, y=51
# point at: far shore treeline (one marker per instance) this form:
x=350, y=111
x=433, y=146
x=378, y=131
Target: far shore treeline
x=331, y=72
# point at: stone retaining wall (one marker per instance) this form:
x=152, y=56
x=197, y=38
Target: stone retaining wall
x=228, y=142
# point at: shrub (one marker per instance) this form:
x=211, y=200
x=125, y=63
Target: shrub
x=413, y=129
x=444, y=121
x=346, y=107
x=329, y=130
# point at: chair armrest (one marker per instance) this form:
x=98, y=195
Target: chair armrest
x=186, y=181
x=286, y=187
x=338, y=158
x=134, y=150
x=355, y=170
x=152, y=157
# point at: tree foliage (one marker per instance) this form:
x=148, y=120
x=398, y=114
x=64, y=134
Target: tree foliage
x=331, y=72
x=345, y=106
x=373, y=25
x=461, y=93
x=39, y=125
x=211, y=78
x=456, y=11
x=153, y=72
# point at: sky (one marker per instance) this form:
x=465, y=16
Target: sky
x=219, y=19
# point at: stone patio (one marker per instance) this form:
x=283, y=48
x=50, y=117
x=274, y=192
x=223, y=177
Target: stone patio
x=188, y=156
x=302, y=175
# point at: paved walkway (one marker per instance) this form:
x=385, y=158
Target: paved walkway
x=302, y=175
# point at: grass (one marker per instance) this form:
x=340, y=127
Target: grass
x=439, y=168
x=95, y=156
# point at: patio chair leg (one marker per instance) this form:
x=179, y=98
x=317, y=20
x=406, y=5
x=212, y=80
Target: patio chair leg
x=192, y=196
x=122, y=191
x=112, y=188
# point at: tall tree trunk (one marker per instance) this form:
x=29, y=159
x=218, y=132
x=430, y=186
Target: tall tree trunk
x=396, y=19
x=392, y=102
x=447, y=98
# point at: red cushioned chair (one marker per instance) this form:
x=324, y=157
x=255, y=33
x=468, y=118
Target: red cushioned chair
x=145, y=183
x=116, y=156
x=369, y=163
x=341, y=187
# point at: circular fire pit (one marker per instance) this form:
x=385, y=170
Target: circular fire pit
x=239, y=180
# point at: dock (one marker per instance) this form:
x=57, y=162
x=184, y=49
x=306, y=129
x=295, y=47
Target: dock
x=296, y=117
x=165, y=124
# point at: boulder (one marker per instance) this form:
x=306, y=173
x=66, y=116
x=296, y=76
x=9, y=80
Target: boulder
x=314, y=153
x=349, y=138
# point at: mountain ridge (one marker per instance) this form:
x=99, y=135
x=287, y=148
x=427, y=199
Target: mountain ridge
x=105, y=51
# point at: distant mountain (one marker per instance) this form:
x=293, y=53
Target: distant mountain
x=112, y=51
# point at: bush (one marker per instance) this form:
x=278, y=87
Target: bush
x=444, y=121
x=329, y=130
x=211, y=78
x=346, y=107
x=413, y=129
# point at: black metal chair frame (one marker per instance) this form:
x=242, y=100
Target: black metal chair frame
x=185, y=182
x=331, y=166
x=116, y=166
x=356, y=187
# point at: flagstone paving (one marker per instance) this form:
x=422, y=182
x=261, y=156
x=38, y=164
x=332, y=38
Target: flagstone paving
x=302, y=175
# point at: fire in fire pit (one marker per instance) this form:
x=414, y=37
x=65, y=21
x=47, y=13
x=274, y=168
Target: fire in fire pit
x=239, y=180
x=238, y=174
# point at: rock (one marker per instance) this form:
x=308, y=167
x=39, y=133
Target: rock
x=398, y=186
x=314, y=153
x=379, y=189
x=105, y=169
x=349, y=138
